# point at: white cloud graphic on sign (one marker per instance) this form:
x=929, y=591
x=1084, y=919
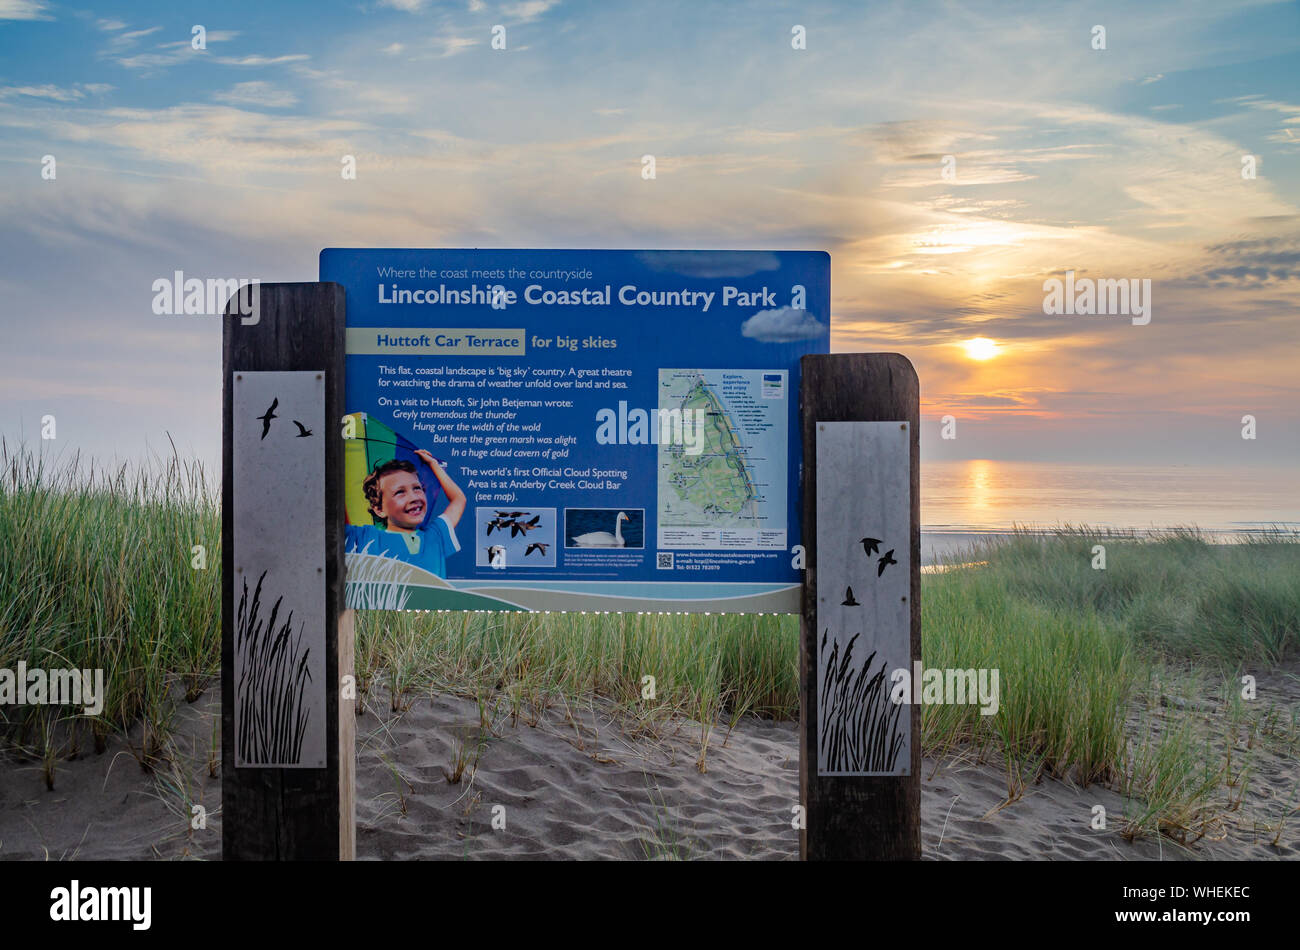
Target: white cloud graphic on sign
x=782, y=325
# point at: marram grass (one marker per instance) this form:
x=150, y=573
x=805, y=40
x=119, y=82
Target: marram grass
x=96, y=571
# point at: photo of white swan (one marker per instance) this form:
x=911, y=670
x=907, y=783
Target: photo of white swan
x=604, y=527
x=603, y=539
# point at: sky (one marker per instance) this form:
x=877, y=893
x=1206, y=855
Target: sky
x=951, y=158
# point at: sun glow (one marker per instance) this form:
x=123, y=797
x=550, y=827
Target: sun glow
x=981, y=348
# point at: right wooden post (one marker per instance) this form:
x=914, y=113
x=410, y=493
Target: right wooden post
x=860, y=627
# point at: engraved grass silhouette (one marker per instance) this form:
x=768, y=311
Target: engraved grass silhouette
x=859, y=728
x=273, y=677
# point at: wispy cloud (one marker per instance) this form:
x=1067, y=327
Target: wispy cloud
x=451, y=45
x=256, y=60
x=122, y=40
x=173, y=53
x=1288, y=131
x=222, y=142
x=1256, y=261
x=257, y=94
x=24, y=10
x=56, y=93
x=528, y=9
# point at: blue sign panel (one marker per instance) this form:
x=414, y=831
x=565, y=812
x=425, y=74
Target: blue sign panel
x=576, y=430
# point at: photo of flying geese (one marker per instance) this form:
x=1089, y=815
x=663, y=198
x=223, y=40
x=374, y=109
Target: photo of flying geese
x=527, y=537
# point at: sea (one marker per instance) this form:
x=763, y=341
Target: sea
x=965, y=500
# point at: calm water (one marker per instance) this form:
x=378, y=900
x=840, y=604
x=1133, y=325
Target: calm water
x=989, y=496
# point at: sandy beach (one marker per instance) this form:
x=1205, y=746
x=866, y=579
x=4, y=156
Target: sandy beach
x=581, y=783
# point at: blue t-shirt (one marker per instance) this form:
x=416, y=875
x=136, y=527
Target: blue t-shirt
x=428, y=548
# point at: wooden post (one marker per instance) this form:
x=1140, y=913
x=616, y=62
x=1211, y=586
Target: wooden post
x=287, y=753
x=861, y=786
x=348, y=738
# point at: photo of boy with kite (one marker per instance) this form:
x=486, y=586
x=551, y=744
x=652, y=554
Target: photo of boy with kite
x=390, y=499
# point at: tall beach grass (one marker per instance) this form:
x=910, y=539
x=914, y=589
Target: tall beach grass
x=96, y=571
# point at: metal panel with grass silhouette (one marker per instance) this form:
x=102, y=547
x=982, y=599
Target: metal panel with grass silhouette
x=278, y=429
x=863, y=589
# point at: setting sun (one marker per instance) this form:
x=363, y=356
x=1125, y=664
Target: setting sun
x=981, y=348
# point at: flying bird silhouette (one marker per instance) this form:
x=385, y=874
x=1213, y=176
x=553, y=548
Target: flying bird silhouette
x=885, y=562
x=848, y=598
x=303, y=431
x=537, y=546
x=270, y=414
x=870, y=545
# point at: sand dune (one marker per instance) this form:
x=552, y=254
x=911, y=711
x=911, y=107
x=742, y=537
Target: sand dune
x=576, y=784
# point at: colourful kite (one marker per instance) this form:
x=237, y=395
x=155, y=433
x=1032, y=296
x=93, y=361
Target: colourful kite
x=371, y=444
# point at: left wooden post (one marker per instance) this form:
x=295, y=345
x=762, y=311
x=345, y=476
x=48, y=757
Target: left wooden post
x=286, y=645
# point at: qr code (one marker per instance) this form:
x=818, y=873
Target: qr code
x=664, y=560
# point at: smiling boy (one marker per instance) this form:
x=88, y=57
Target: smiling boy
x=398, y=503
